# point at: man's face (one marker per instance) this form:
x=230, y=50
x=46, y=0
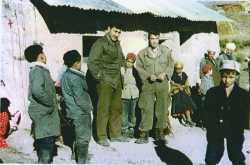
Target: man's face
x=211, y=54
x=228, y=78
x=115, y=33
x=178, y=69
x=154, y=40
x=229, y=51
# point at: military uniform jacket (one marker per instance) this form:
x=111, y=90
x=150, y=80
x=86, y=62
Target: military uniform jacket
x=105, y=61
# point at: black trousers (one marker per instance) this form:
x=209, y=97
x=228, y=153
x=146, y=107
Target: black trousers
x=45, y=149
x=215, y=150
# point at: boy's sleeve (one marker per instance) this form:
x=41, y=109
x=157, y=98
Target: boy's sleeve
x=38, y=90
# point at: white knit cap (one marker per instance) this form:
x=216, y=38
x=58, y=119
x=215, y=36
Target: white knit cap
x=230, y=65
x=230, y=46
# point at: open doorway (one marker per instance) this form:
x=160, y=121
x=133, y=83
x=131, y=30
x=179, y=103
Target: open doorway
x=87, y=42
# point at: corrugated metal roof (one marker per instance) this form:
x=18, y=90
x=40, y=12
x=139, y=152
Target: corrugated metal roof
x=107, y=5
x=189, y=9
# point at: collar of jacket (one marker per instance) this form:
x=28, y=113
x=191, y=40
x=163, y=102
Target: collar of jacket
x=223, y=89
x=79, y=73
x=149, y=52
x=39, y=64
x=107, y=36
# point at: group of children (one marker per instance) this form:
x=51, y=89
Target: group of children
x=223, y=114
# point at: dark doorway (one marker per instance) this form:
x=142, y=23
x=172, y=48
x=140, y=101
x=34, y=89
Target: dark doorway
x=87, y=42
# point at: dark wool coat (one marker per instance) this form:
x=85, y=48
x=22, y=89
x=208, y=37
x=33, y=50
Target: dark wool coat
x=226, y=116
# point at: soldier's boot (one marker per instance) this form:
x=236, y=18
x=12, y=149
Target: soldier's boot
x=159, y=136
x=143, y=137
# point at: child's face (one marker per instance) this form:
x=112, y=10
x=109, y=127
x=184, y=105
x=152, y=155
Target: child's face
x=42, y=58
x=228, y=78
x=77, y=65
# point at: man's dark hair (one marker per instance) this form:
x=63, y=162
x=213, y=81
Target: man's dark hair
x=71, y=57
x=153, y=33
x=31, y=53
x=113, y=25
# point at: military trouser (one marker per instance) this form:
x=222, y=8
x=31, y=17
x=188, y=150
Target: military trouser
x=45, y=148
x=109, y=111
x=82, y=126
x=154, y=100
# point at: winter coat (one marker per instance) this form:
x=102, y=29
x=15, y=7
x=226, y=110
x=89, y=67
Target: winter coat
x=43, y=109
x=75, y=93
x=130, y=89
x=147, y=65
x=215, y=69
x=105, y=61
x=226, y=117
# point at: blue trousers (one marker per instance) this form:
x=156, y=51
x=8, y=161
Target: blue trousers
x=128, y=113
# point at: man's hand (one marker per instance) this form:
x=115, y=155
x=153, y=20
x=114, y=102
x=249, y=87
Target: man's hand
x=161, y=76
x=153, y=78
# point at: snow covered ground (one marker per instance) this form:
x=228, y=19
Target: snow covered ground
x=189, y=141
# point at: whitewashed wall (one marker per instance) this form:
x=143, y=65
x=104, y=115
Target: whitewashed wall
x=193, y=50
x=21, y=25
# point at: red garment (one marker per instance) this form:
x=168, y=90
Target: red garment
x=4, y=124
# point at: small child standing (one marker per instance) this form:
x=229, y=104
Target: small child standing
x=78, y=103
x=226, y=108
x=130, y=95
x=207, y=79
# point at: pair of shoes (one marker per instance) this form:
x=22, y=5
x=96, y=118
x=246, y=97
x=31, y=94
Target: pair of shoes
x=119, y=139
x=159, y=136
x=143, y=139
x=131, y=132
x=125, y=132
x=190, y=123
x=104, y=142
x=182, y=122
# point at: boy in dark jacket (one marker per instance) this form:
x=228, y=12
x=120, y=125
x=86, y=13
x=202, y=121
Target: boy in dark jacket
x=43, y=109
x=78, y=103
x=226, y=109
